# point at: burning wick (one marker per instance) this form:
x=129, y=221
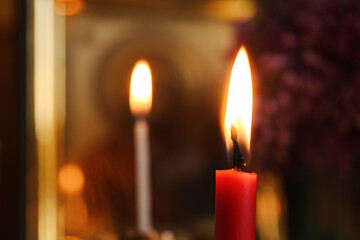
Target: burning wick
x=238, y=159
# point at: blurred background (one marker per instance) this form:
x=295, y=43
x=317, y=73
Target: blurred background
x=66, y=130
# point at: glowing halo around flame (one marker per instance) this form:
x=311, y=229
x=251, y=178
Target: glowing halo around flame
x=239, y=102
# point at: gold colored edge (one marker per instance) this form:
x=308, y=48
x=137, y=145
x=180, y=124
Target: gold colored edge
x=45, y=117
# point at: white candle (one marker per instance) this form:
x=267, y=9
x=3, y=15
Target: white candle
x=143, y=179
x=140, y=106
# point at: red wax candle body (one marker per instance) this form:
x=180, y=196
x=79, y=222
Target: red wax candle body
x=235, y=205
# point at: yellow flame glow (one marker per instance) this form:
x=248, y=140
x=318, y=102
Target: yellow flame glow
x=239, y=101
x=141, y=89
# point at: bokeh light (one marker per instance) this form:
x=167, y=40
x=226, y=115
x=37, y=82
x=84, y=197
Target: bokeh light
x=71, y=178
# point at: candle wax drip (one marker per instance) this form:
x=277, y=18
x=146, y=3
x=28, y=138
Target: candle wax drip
x=238, y=159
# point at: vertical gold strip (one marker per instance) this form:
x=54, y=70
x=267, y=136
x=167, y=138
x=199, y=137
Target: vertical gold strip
x=48, y=111
x=44, y=114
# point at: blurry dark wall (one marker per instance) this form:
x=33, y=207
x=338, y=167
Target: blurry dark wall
x=11, y=166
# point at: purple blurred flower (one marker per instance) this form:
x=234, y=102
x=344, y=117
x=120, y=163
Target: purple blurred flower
x=307, y=109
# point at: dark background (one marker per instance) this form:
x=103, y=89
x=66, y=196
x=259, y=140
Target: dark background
x=12, y=119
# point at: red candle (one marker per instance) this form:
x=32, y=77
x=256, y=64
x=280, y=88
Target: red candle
x=235, y=200
x=235, y=206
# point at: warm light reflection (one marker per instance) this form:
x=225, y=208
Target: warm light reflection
x=71, y=238
x=239, y=101
x=141, y=89
x=231, y=10
x=68, y=7
x=270, y=201
x=76, y=214
x=71, y=178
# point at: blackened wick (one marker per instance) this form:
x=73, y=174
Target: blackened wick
x=238, y=159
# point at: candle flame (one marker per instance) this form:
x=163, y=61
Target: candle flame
x=239, y=102
x=141, y=89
